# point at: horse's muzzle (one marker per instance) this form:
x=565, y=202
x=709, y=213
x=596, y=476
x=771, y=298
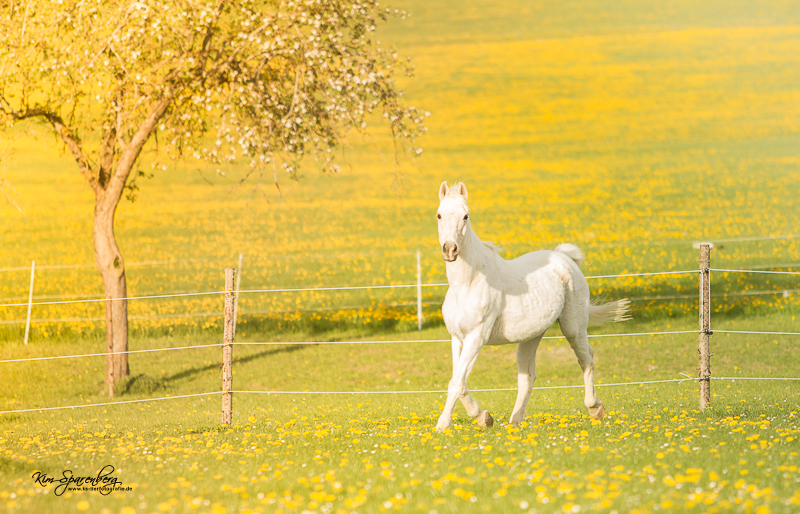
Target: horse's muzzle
x=449, y=252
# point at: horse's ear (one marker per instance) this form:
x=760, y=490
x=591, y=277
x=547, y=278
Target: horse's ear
x=443, y=190
x=462, y=190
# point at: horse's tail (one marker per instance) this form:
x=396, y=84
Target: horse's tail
x=571, y=251
x=612, y=311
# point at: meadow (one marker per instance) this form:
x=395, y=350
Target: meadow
x=630, y=129
x=306, y=452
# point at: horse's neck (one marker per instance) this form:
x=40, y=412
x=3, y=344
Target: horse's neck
x=470, y=261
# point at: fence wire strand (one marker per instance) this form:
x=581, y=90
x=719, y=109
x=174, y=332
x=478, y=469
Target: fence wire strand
x=753, y=332
x=756, y=271
x=311, y=343
x=399, y=341
x=648, y=274
x=112, y=353
x=754, y=378
x=444, y=391
x=112, y=299
x=109, y=403
x=343, y=288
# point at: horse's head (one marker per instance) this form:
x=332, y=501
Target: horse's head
x=453, y=215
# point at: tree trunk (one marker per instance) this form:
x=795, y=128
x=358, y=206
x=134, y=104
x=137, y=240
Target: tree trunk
x=111, y=266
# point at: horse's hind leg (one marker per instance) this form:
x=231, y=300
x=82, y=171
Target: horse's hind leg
x=526, y=366
x=578, y=340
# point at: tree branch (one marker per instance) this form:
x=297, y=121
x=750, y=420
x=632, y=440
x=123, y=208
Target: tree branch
x=107, y=154
x=77, y=152
x=148, y=125
x=66, y=135
x=275, y=177
x=111, y=138
x=134, y=147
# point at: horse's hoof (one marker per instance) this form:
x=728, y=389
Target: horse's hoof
x=485, y=419
x=597, y=412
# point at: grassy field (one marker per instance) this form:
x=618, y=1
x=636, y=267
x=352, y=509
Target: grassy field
x=631, y=129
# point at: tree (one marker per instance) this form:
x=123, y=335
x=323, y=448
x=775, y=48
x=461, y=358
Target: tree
x=254, y=81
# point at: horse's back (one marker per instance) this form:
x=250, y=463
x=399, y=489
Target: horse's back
x=544, y=265
x=535, y=266
x=536, y=287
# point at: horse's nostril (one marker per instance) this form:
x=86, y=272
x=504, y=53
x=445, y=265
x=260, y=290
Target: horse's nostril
x=450, y=250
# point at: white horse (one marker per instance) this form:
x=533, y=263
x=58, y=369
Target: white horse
x=494, y=301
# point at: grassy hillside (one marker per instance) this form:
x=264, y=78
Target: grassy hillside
x=631, y=130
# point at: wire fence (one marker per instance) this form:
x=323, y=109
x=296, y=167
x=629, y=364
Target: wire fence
x=254, y=291
x=302, y=289
x=389, y=341
x=97, y=299
x=390, y=392
x=784, y=292
x=311, y=343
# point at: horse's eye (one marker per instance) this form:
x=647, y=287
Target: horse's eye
x=439, y=216
x=466, y=216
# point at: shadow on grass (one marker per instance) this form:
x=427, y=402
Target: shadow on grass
x=379, y=320
x=146, y=384
x=14, y=468
x=241, y=360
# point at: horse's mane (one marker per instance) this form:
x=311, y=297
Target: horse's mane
x=492, y=246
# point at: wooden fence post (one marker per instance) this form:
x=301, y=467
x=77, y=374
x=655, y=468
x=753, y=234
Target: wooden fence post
x=236, y=300
x=705, y=325
x=30, y=302
x=419, y=291
x=227, y=349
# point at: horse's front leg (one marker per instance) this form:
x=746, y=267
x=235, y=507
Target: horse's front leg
x=473, y=407
x=474, y=411
x=463, y=361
